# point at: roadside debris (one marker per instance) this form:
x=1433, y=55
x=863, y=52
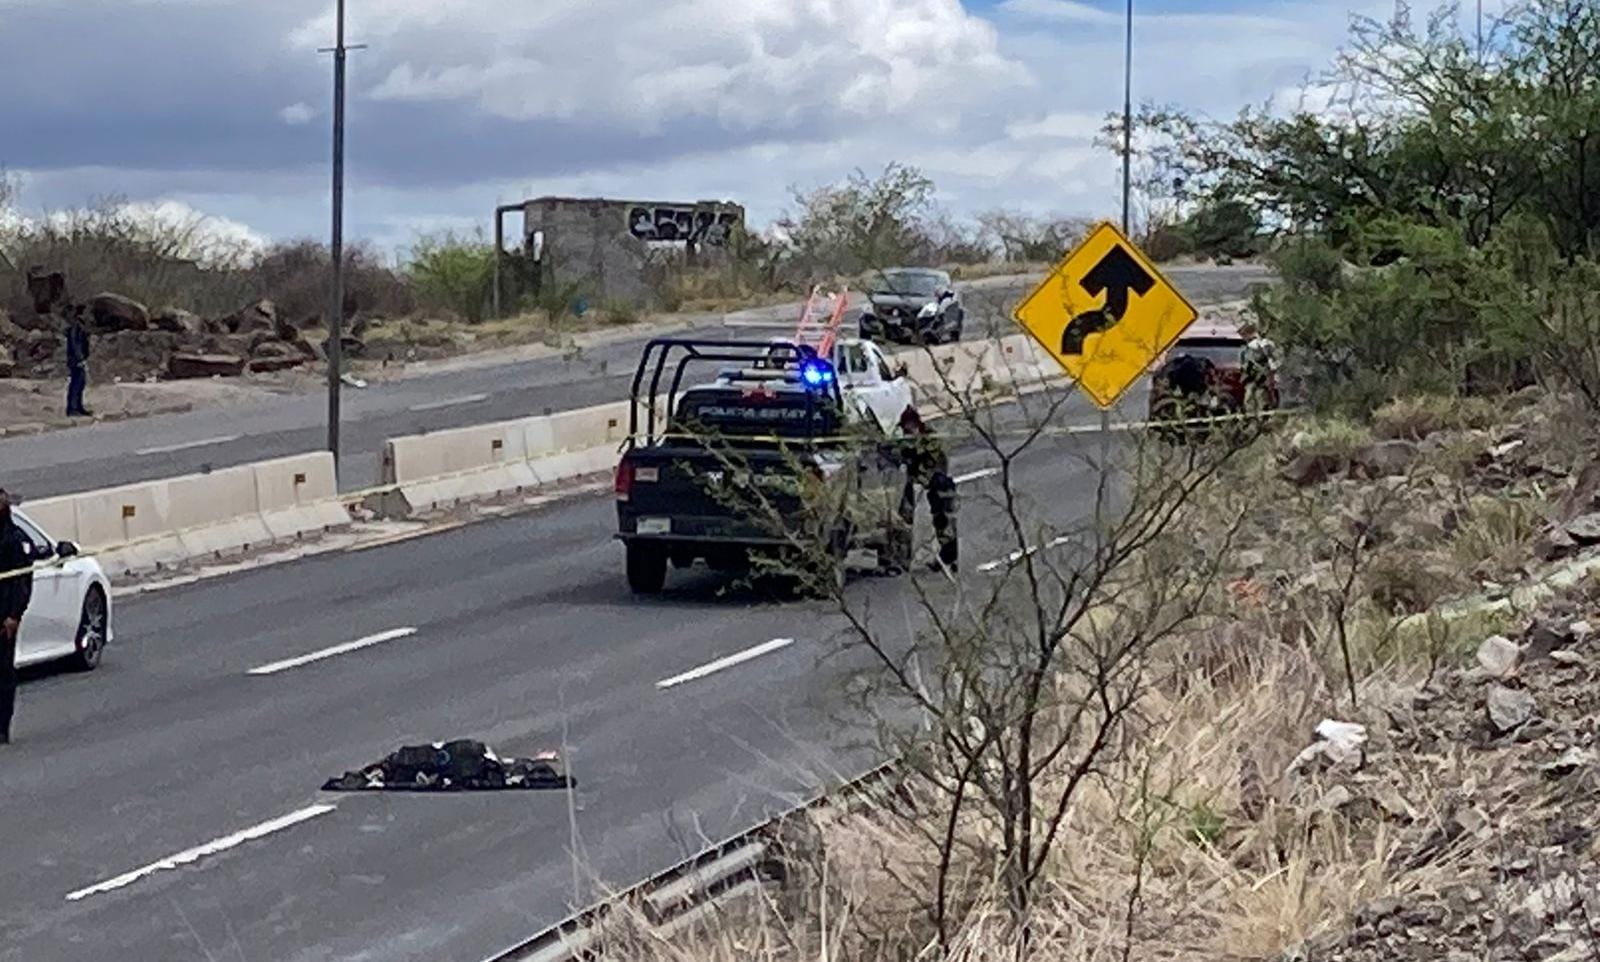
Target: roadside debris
x=1339, y=745
x=463, y=765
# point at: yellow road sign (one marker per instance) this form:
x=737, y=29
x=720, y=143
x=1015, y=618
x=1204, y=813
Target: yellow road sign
x=1105, y=313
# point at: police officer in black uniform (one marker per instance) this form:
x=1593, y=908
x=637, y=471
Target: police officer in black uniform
x=77, y=337
x=16, y=590
x=928, y=467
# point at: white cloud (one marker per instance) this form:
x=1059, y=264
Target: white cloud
x=1060, y=11
x=1076, y=126
x=297, y=114
x=664, y=98
x=757, y=65
x=211, y=234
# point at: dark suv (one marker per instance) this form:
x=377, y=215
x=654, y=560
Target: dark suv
x=913, y=305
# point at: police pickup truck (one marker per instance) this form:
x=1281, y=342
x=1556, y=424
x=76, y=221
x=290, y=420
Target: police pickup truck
x=769, y=461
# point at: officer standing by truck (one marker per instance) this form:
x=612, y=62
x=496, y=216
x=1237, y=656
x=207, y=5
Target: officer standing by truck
x=1259, y=361
x=928, y=467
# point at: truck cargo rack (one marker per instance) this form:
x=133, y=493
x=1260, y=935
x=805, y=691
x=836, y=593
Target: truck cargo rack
x=679, y=353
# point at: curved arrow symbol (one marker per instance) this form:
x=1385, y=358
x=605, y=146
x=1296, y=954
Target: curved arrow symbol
x=1118, y=276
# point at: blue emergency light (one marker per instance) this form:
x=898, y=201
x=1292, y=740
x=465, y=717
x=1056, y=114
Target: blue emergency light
x=816, y=372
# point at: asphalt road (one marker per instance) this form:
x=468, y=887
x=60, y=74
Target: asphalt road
x=103, y=455
x=526, y=637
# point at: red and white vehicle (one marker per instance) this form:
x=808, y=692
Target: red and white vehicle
x=1203, y=375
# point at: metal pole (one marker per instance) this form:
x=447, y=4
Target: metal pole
x=1480, y=31
x=1127, y=120
x=336, y=295
x=499, y=255
x=1127, y=193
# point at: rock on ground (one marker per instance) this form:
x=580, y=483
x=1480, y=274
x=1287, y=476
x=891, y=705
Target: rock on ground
x=184, y=365
x=1508, y=708
x=1386, y=458
x=113, y=312
x=1498, y=656
x=1585, y=529
x=175, y=320
x=255, y=318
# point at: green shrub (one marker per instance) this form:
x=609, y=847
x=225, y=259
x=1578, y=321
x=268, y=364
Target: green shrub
x=453, y=274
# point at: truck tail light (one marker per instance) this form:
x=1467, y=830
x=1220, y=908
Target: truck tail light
x=624, y=483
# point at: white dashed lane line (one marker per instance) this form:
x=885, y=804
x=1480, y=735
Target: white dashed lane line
x=1017, y=556
x=191, y=855
x=186, y=445
x=976, y=475
x=449, y=402
x=336, y=650
x=765, y=648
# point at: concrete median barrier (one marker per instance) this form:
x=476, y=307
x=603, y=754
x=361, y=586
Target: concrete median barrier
x=155, y=524
x=426, y=472
x=164, y=522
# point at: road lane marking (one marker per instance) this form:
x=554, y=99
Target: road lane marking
x=977, y=475
x=449, y=402
x=169, y=448
x=189, y=856
x=336, y=650
x=765, y=648
x=1017, y=556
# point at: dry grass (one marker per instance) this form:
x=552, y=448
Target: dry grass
x=1497, y=534
x=1236, y=863
x=419, y=338
x=1195, y=823
x=1415, y=418
x=974, y=272
x=1335, y=438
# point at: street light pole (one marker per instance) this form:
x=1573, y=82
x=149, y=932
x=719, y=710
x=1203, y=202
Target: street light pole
x=1127, y=120
x=336, y=243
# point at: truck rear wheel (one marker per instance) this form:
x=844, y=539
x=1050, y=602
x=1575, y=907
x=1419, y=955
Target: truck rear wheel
x=647, y=568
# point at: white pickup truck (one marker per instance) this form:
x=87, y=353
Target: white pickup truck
x=871, y=384
x=873, y=390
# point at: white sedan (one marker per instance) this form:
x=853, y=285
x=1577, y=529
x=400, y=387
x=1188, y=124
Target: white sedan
x=70, y=614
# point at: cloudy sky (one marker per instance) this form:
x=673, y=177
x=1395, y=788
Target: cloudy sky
x=457, y=105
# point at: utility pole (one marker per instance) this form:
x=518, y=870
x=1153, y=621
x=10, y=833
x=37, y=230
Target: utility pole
x=1103, y=486
x=1480, y=31
x=1127, y=121
x=336, y=242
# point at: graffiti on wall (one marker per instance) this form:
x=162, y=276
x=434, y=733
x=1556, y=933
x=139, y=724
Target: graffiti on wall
x=697, y=224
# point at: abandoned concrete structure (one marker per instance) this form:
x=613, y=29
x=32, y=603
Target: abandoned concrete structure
x=607, y=246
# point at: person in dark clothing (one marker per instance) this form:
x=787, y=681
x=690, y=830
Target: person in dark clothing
x=928, y=467
x=16, y=590
x=77, y=363
x=1189, y=376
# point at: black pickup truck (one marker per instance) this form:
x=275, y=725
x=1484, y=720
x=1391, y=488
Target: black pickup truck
x=759, y=463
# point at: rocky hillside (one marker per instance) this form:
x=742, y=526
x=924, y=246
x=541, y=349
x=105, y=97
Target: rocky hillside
x=131, y=342
x=1380, y=743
